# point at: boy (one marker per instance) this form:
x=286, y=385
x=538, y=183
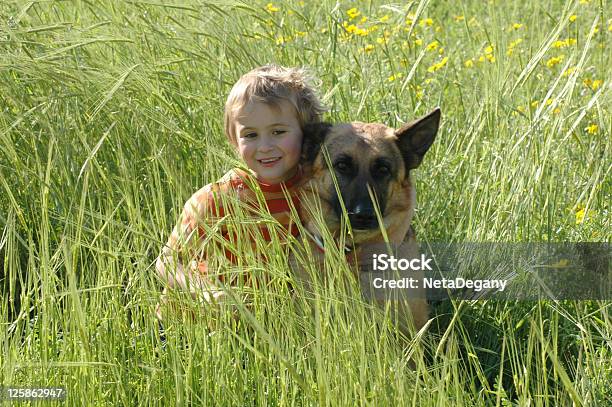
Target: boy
x=265, y=113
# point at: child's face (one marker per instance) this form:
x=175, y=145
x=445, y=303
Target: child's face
x=269, y=140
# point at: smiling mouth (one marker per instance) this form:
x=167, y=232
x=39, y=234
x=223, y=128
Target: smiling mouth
x=269, y=161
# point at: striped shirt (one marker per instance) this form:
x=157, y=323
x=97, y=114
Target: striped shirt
x=203, y=215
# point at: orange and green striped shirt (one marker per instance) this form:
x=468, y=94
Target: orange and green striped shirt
x=209, y=205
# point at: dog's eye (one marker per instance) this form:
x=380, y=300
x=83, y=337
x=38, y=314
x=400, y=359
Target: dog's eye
x=342, y=166
x=383, y=170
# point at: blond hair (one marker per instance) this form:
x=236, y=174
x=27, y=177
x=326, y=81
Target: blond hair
x=272, y=84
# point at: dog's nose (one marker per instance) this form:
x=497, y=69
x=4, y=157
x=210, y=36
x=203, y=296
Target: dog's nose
x=362, y=217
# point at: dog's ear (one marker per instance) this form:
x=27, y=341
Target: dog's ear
x=313, y=137
x=415, y=138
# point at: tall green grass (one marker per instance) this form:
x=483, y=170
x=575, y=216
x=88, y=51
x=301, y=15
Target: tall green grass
x=110, y=118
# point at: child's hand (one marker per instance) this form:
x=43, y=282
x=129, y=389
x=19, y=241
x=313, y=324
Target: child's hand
x=192, y=279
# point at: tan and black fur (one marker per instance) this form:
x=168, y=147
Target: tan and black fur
x=368, y=159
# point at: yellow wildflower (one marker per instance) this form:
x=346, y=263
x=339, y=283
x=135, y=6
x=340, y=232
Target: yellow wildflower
x=573, y=18
x=384, y=18
x=363, y=20
x=441, y=50
x=517, y=26
x=610, y=27
x=280, y=40
x=554, y=61
x=593, y=85
x=580, y=216
x=368, y=48
x=382, y=41
x=469, y=63
x=512, y=45
x=350, y=28
x=534, y=104
x=558, y=44
x=353, y=13
x=521, y=109
x=418, y=41
x=473, y=22
x=569, y=71
x=585, y=1
x=489, y=53
x=548, y=102
x=432, y=46
x=459, y=18
x=557, y=110
x=403, y=62
x=271, y=8
x=592, y=129
x=481, y=58
x=438, y=65
x=596, y=84
x=564, y=43
x=426, y=22
x=394, y=77
x=419, y=92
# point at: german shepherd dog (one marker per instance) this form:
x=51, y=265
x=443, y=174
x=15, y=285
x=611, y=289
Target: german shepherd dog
x=371, y=164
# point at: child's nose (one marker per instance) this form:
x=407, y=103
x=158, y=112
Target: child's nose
x=266, y=143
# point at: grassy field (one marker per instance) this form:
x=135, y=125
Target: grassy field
x=111, y=117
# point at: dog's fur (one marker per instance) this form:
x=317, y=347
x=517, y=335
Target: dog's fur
x=367, y=159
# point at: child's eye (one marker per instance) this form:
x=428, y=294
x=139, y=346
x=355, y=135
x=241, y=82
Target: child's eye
x=278, y=132
x=249, y=135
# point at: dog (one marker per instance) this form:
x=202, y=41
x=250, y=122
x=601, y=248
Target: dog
x=362, y=166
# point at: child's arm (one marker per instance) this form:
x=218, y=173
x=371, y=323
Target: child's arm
x=178, y=263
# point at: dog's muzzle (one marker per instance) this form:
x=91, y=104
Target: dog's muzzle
x=362, y=218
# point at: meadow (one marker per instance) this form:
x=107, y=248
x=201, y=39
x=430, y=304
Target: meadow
x=111, y=117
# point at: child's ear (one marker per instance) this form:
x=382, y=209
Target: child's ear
x=415, y=138
x=313, y=137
